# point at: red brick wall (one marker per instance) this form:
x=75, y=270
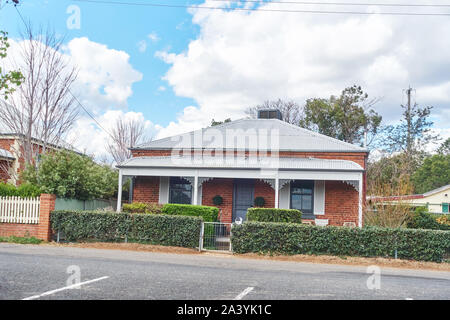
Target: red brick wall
x=146, y=189
x=341, y=203
x=263, y=189
x=223, y=188
x=41, y=231
x=18, y=230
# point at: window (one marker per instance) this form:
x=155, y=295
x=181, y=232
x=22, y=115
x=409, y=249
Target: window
x=302, y=197
x=445, y=208
x=180, y=191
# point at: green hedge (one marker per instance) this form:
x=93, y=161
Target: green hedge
x=25, y=190
x=290, y=238
x=108, y=226
x=422, y=219
x=274, y=215
x=208, y=214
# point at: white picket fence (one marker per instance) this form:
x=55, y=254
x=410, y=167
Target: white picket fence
x=19, y=210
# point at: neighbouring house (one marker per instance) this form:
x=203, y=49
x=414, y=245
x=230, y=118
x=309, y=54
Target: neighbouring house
x=12, y=161
x=436, y=201
x=288, y=166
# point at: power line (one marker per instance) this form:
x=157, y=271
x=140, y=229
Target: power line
x=339, y=3
x=261, y=9
x=70, y=92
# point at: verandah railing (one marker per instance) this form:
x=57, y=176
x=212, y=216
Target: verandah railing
x=19, y=210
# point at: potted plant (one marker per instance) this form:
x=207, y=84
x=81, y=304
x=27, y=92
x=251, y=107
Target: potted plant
x=259, y=202
x=217, y=200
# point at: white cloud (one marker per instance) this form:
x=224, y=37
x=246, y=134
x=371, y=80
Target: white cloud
x=153, y=37
x=241, y=58
x=142, y=45
x=105, y=75
x=88, y=137
x=104, y=84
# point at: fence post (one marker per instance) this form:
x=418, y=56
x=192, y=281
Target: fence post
x=200, y=242
x=46, y=206
x=231, y=235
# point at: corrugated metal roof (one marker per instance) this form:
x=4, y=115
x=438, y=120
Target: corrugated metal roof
x=286, y=136
x=240, y=162
x=6, y=154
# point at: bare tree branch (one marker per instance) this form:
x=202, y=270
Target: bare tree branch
x=43, y=107
x=290, y=110
x=126, y=134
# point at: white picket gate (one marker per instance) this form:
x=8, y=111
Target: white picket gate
x=19, y=210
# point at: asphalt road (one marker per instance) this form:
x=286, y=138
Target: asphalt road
x=40, y=272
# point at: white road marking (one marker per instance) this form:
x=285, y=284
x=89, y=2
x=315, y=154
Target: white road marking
x=409, y=299
x=65, y=288
x=244, y=293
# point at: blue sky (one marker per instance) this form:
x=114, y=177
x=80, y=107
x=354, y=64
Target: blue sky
x=121, y=28
x=175, y=69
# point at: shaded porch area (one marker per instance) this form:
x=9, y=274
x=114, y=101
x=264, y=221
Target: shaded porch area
x=326, y=191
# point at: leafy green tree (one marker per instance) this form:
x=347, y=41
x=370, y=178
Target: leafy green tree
x=432, y=174
x=444, y=147
x=71, y=175
x=348, y=117
x=412, y=134
x=8, y=80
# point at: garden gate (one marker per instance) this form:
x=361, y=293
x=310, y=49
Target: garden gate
x=215, y=236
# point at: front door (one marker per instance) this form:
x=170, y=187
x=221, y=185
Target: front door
x=242, y=198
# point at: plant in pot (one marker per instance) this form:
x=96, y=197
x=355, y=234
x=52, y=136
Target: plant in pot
x=259, y=202
x=217, y=200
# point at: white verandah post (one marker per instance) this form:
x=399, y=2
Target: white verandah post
x=360, y=201
x=195, y=201
x=277, y=186
x=119, y=192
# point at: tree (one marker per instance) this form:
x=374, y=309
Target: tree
x=43, y=107
x=392, y=215
x=412, y=134
x=71, y=175
x=444, y=147
x=432, y=174
x=385, y=171
x=290, y=110
x=124, y=135
x=348, y=117
x=216, y=123
x=8, y=80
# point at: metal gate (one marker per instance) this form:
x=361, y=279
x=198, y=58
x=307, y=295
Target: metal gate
x=215, y=236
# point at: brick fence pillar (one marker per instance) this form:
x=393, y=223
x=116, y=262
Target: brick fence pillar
x=47, y=205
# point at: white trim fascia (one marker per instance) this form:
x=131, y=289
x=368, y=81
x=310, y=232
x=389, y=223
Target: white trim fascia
x=243, y=173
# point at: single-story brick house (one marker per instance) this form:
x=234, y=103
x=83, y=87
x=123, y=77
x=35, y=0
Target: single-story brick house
x=290, y=167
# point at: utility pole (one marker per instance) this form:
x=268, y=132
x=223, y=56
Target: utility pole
x=408, y=122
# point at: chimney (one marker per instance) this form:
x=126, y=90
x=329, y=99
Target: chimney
x=270, y=114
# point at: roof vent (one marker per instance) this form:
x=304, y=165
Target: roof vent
x=270, y=114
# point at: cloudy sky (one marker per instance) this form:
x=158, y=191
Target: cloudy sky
x=176, y=68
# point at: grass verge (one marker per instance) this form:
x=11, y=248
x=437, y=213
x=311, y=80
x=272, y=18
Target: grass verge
x=21, y=240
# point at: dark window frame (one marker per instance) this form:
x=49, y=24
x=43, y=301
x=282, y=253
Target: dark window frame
x=174, y=185
x=304, y=184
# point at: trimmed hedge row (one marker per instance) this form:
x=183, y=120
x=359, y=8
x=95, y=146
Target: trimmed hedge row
x=289, y=238
x=208, y=213
x=25, y=190
x=274, y=215
x=100, y=226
